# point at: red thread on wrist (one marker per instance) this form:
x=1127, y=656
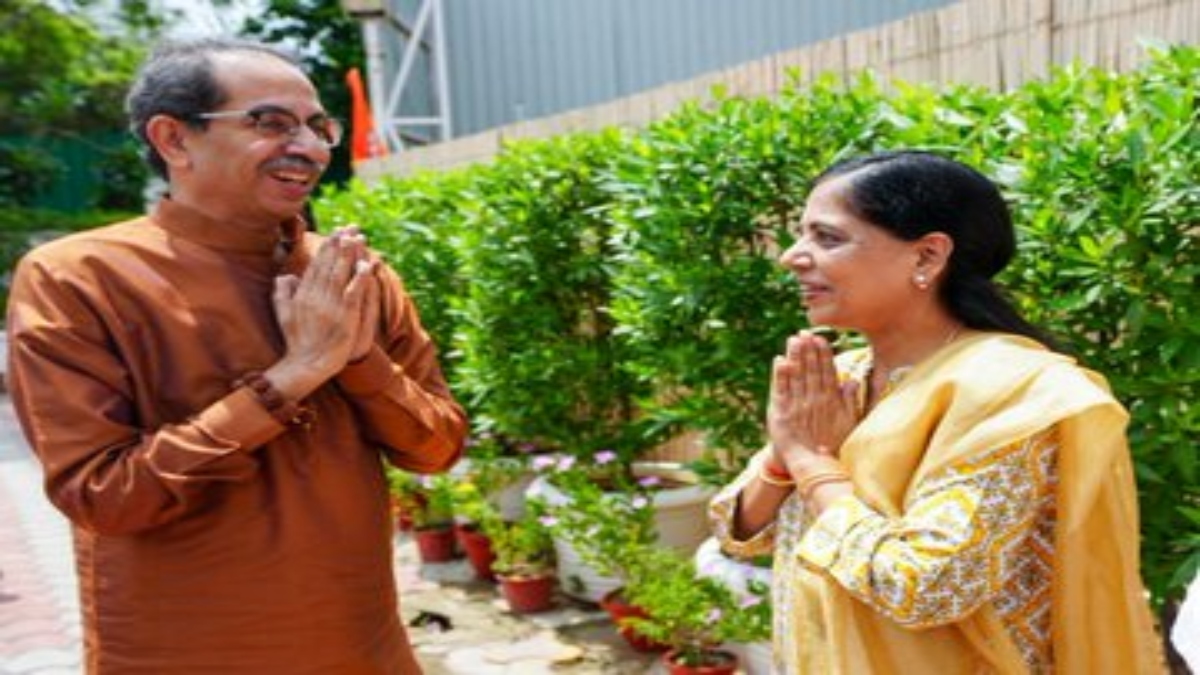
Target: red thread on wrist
x=772, y=469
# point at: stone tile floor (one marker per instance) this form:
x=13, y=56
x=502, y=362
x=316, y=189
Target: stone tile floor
x=486, y=638
x=39, y=624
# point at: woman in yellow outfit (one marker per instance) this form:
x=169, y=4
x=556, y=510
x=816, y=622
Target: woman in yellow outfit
x=955, y=497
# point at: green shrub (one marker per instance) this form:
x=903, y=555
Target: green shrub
x=1108, y=193
x=609, y=289
x=25, y=173
x=541, y=359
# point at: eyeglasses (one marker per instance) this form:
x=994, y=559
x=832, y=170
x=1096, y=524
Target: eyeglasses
x=278, y=123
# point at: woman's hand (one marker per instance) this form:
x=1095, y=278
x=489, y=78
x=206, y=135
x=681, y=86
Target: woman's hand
x=810, y=412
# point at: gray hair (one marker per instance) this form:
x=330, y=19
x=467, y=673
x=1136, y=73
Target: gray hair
x=178, y=80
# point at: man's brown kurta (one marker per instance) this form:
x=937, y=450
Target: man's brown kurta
x=210, y=538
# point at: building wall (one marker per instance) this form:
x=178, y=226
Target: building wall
x=515, y=60
x=995, y=43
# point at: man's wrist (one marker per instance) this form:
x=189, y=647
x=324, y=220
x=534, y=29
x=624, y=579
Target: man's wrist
x=287, y=410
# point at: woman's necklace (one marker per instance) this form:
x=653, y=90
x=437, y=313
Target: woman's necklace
x=891, y=378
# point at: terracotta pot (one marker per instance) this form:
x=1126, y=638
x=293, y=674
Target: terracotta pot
x=617, y=607
x=478, y=548
x=435, y=544
x=722, y=663
x=403, y=518
x=528, y=594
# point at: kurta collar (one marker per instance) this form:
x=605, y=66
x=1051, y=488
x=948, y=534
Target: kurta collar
x=187, y=223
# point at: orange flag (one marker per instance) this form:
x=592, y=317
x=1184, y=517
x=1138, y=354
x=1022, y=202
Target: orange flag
x=364, y=142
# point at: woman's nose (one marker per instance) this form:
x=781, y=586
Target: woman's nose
x=796, y=256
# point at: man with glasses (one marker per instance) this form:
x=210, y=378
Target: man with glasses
x=212, y=390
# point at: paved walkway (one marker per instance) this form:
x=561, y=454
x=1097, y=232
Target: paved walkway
x=39, y=606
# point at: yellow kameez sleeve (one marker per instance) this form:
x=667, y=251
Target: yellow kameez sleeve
x=723, y=508
x=955, y=545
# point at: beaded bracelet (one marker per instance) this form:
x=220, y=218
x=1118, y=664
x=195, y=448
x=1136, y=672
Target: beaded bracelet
x=286, y=411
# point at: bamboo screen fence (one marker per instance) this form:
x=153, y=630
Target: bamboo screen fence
x=996, y=43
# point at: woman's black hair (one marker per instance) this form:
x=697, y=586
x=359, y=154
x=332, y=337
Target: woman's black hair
x=178, y=80
x=911, y=193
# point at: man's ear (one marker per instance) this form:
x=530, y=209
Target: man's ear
x=169, y=137
x=933, y=253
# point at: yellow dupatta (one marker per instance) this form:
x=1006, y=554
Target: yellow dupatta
x=978, y=394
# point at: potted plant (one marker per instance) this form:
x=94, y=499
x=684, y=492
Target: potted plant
x=745, y=577
x=601, y=519
x=604, y=502
x=598, y=512
x=428, y=503
x=524, y=558
x=405, y=492
x=472, y=509
x=694, y=615
x=499, y=468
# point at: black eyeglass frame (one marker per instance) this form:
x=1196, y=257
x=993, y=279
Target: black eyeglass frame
x=329, y=130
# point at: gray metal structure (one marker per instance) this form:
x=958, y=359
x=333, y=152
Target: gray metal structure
x=503, y=61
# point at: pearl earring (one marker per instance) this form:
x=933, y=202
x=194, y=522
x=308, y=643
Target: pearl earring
x=921, y=281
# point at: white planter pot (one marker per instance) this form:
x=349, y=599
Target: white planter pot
x=735, y=574
x=680, y=513
x=680, y=522
x=578, y=579
x=510, y=499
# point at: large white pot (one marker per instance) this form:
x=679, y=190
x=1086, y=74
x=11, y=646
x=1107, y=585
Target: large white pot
x=680, y=522
x=508, y=499
x=680, y=513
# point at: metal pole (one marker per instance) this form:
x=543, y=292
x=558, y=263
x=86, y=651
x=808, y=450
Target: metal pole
x=441, y=80
x=376, y=89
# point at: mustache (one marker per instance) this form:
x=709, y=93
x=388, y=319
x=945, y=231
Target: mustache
x=295, y=163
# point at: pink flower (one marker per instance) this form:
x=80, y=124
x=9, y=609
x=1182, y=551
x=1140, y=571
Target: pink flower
x=605, y=457
x=548, y=521
x=750, y=601
x=649, y=481
x=714, y=615
x=543, y=462
x=566, y=462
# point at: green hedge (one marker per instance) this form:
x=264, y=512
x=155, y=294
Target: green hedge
x=617, y=287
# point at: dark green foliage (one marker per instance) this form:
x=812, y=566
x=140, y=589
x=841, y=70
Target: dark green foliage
x=541, y=359
x=62, y=89
x=609, y=287
x=1108, y=191
x=60, y=72
x=25, y=172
